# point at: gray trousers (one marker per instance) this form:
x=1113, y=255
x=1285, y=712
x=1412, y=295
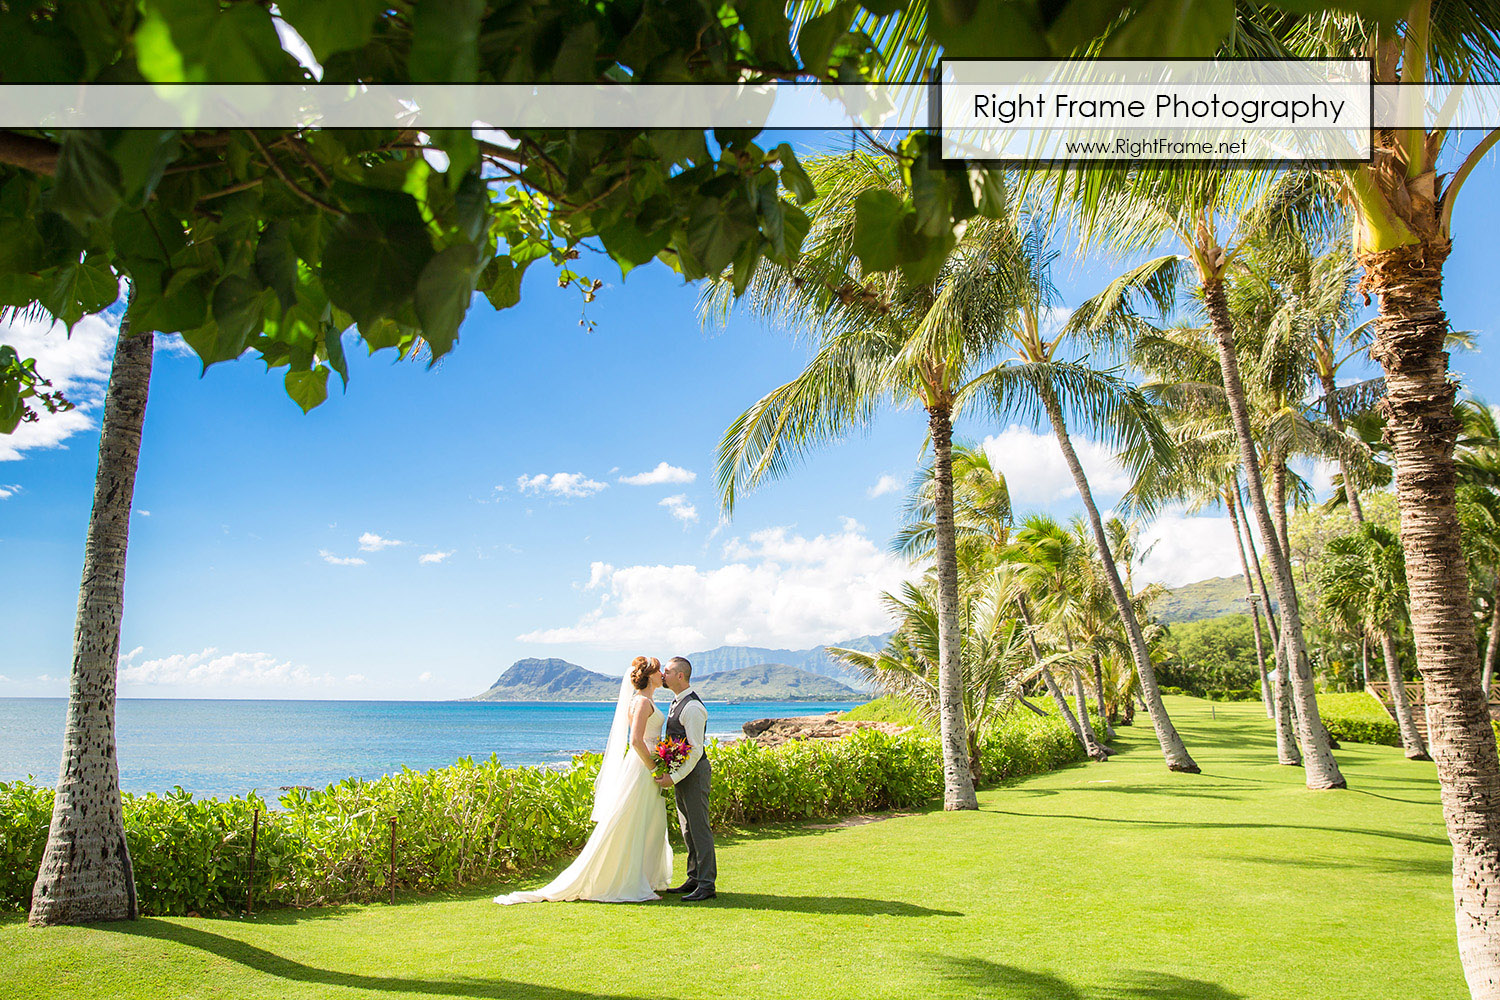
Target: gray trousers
x=692, y=815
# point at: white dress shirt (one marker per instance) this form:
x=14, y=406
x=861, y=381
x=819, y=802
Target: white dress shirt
x=694, y=719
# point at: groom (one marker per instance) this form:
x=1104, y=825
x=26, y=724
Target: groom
x=688, y=720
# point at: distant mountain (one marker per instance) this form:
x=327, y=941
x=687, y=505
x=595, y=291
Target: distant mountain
x=559, y=680
x=773, y=682
x=1222, y=595
x=550, y=680
x=815, y=660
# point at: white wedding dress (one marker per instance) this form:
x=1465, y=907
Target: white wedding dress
x=627, y=857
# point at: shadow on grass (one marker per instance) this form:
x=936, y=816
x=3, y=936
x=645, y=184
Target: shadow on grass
x=271, y=964
x=1388, y=866
x=992, y=979
x=851, y=905
x=1414, y=838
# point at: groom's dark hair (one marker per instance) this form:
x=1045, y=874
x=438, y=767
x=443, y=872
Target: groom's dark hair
x=686, y=667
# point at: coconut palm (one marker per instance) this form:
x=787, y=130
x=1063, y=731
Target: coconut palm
x=888, y=339
x=1044, y=560
x=1048, y=376
x=1362, y=577
x=1479, y=513
x=982, y=515
x=86, y=874
x=994, y=660
x=1212, y=216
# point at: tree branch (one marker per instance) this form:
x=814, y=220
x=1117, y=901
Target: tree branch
x=29, y=153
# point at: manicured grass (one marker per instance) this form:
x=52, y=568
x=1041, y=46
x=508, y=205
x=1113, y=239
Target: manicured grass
x=1117, y=880
x=886, y=708
x=1353, y=705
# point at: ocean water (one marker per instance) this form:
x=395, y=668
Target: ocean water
x=224, y=747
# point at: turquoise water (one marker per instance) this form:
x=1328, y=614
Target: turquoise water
x=230, y=747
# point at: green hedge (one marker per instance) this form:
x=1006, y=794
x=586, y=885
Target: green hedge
x=1357, y=717
x=473, y=822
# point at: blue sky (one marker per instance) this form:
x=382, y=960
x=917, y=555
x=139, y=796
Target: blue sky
x=543, y=491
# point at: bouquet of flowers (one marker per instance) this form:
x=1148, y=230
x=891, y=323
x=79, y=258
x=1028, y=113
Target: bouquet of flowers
x=669, y=755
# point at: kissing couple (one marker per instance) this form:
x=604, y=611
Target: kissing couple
x=627, y=858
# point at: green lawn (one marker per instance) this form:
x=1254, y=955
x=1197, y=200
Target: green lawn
x=1099, y=882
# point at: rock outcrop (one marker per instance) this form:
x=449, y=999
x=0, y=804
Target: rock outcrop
x=774, y=732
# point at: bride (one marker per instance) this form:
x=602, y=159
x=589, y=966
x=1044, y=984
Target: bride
x=627, y=857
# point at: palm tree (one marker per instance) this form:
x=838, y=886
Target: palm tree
x=982, y=515
x=1135, y=209
x=890, y=338
x=86, y=874
x=1034, y=383
x=994, y=657
x=1479, y=512
x=1362, y=577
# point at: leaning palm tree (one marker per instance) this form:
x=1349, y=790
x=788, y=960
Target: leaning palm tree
x=1212, y=216
x=1048, y=377
x=1362, y=579
x=885, y=339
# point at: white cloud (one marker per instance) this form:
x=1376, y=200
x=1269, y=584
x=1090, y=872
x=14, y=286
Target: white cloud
x=143, y=513
x=776, y=588
x=885, y=484
x=662, y=474
x=563, y=484
x=334, y=560
x=4, y=679
x=425, y=676
x=679, y=507
x=371, y=542
x=429, y=558
x=224, y=672
x=1186, y=548
x=9, y=490
x=1037, y=475
x=76, y=365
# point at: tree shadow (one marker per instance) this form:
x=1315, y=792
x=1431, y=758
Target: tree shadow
x=992, y=979
x=1414, y=838
x=271, y=964
x=852, y=905
x=1389, y=866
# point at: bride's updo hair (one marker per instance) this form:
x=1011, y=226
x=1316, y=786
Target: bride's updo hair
x=641, y=669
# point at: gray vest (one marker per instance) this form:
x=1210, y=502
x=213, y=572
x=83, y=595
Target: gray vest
x=674, y=727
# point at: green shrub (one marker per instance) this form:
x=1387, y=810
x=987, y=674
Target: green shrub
x=1233, y=694
x=1357, y=717
x=887, y=708
x=472, y=822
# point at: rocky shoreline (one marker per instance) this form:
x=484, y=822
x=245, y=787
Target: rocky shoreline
x=830, y=726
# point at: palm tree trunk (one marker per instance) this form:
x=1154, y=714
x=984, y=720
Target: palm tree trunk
x=1336, y=419
x=1087, y=724
x=1492, y=647
x=1411, y=740
x=86, y=874
x=1109, y=729
x=1411, y=329
x=1281, y=691
x=1260, y=653
x=1322, y=769
x=958, y=786
x=1090, y=747
x=1172, y=747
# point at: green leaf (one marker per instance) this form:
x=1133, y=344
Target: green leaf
x=793, y=177
x=716, y=230
x=443, y=294
x=501, y=282
x=239, y=310
x=987, y=186
x=276, y=263
x=445, y=41
x=330, y=26
x=630, y=246
x=78, y=289
x=200, y=41
x=87, y=184
x=984, y=29
x=308, y=389
x=878, y=215
x=371, y=267
x=1174, y=29
x=333, y=350
x=818, y=36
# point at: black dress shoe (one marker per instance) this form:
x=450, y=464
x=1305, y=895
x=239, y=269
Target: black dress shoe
x=687, y=886
x=702, y=892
